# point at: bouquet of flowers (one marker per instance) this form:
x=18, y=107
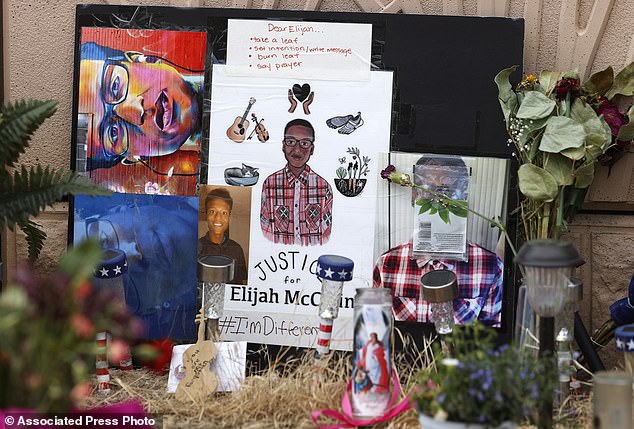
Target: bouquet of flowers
x=48, y=325
x=560, y=129
x=484, y=385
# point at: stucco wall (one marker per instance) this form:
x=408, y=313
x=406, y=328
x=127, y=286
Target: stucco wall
x=38, y=59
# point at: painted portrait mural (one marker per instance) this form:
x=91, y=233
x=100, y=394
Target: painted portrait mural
x=158, y=235
x=139, y=109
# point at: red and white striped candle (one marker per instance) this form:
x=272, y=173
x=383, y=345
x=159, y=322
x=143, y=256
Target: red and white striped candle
x=323, y=338
x=103, y=374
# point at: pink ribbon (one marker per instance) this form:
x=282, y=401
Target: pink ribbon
x=346, y=418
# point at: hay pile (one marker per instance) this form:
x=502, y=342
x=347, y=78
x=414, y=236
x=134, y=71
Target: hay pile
x=283, y=396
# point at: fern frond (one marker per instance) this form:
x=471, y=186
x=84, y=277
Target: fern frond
x=18, y=121
x=28, y=192
x=35, y=237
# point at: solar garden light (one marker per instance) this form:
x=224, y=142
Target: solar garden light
x=548, y=266
x=214, y=271
x=333, y=271
x=109, y=275
x=440, y=288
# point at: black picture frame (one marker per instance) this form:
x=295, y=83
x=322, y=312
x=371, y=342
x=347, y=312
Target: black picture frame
x=444, y=96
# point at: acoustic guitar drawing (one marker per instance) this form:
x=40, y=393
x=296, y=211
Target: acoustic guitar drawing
x=237, y=130
x=199, y=382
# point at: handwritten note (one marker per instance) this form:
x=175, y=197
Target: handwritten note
x=299, y=49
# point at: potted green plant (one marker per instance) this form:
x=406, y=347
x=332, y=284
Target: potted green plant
x=481, y=386
x=48, y=325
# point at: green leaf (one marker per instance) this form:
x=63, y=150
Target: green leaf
x=626, y=132
x=584, y=175
x=537, y=183
x=444, y=215
x=595, y=146
x=548, y=79
x=600, y=82
x=561, y=169
x=424, y=203
x=575, y=153
x=19, y=122
x=28, y=192
x=506, y=95
x=589, y=120
x=34, y=237
x=535, y=106
x=457, y=207
x=562, y=133
x=623, y=82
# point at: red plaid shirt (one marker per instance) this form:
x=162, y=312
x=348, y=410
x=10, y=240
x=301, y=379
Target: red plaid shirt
x=479, y=284
x=296, y=210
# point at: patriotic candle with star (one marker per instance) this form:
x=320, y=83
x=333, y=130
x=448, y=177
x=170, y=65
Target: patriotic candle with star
x=624, y=336
x=109, y=273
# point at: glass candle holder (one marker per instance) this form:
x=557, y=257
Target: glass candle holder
x=565, y=320
x=214, y=271
x=612, y=400
x=333, y=271
x=372, y=356
x=624, y=336
x=440, y=288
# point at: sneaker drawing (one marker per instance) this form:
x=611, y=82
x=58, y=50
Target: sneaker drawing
x=338, y=121
x=351, y=125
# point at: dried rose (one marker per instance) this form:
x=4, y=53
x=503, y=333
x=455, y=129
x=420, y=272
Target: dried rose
x=564, y=86
x=612, y=116
x=385, y=173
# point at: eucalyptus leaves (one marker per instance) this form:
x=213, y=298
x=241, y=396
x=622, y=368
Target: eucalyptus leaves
x=560, y=130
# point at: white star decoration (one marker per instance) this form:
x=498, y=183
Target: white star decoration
x=619, y=344
x=117, y=270
x=328, y=273
x=343, y=274
x=103, y=272
x=630, y=345
x=318, y=269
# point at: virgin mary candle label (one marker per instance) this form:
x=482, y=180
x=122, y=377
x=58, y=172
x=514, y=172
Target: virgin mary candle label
x=372, y=352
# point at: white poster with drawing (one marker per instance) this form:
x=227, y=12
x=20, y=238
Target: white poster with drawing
x=309, y=151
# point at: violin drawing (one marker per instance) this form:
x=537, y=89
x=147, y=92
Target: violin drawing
x=262, y=133
x=199, y=381
x=237, y=130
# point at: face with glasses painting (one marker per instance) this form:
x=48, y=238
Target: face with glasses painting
x=139, y=108
x=298, y=146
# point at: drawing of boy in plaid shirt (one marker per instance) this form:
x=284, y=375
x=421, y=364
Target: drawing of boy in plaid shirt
x=296, y=204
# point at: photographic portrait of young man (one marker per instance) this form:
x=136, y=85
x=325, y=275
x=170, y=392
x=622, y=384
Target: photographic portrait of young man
x=296, y=203
x=218, y=207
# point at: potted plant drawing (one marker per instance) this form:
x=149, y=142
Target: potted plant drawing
x=352, y=172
